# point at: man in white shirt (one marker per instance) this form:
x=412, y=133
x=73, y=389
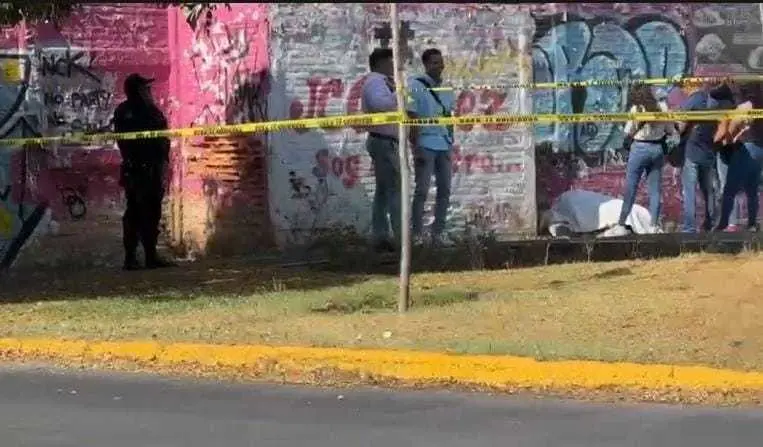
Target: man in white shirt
x=382, y=145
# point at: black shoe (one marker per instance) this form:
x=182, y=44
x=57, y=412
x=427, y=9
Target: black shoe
x=131, y=264
x=159, y=263
x=384, y=247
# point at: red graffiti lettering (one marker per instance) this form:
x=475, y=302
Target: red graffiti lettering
x=354, y=96
x=473, y=163
x=464, y=106
x=346, y=169
x=320, y=92
x=490, y=102
x=494, y=100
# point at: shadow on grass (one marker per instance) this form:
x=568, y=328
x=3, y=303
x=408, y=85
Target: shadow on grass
x=346, y=263
x=207, y=278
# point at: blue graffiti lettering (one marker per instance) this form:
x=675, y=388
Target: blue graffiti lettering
x=18, y=219
x=645, y=46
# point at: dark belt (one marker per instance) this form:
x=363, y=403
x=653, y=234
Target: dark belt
x=649, y=141
x=382, y=137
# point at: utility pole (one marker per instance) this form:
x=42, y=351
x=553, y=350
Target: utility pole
x=403, y=300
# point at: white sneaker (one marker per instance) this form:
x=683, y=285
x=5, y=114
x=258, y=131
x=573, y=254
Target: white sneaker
x=655, y=229
x=617, y=231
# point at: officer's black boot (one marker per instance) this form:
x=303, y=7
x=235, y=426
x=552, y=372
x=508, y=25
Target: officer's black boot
x=153, y=260
x=156, y=262
x=131, y=261
x=130, y=243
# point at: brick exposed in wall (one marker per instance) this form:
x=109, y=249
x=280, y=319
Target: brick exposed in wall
x=231, y=216
x=221, y=77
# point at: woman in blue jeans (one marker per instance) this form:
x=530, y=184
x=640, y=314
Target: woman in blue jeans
x=747, y=161
x=646, y=157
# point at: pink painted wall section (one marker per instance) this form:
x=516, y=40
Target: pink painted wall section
x=218, y=61
x=70, y=80
x=221, y=76
x=220, y=70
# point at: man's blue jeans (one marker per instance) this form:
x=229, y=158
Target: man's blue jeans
x=386, y=204
x=744, y=174
x=426, y=164
x=724, y=158
x=644, y=159
x=703, y=174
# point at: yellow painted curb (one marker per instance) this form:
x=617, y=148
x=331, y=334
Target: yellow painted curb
x=493, y=371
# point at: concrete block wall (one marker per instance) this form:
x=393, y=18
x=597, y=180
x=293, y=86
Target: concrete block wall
x=323, y=178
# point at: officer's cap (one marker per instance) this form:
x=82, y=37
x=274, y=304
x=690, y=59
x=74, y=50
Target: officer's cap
x=135, y=81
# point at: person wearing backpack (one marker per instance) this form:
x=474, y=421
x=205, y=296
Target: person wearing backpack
x=432, y=146
x=646, y=157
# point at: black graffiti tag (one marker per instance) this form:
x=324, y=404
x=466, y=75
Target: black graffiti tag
x=98, y=98
x=80, y=124
x=66, y=65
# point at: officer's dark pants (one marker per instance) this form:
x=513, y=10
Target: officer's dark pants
x=144, y=191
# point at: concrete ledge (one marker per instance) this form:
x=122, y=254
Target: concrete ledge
x=403, y=366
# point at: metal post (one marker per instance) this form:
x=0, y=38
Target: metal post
x=403, y=300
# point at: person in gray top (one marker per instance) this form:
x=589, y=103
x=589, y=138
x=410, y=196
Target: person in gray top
x=382, y=145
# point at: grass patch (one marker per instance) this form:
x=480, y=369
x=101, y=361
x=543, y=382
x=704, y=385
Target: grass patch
x=378, y=301
x=704, y=309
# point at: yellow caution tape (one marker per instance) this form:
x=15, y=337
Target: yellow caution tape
x=369, y=120
x=677, y=80
x=705, y=115
x=374, y=119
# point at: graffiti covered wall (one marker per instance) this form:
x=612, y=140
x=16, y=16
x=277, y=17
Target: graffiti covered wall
x=601, y=41
x=68, y=79
x=322, y=179
x=281, y=61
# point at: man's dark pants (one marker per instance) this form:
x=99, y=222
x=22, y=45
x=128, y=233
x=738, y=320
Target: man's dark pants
x=144, y=191
x=704, y=174
x=386, y=204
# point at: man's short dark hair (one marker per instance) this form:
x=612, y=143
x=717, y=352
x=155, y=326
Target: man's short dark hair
x=427, y=54
x=378, y=55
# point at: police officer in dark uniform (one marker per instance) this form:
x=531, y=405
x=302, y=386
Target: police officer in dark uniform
x=144, y=163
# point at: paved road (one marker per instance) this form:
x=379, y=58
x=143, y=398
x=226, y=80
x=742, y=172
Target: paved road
x=40, y=408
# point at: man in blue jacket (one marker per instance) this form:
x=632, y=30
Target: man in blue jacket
x=432, y=145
